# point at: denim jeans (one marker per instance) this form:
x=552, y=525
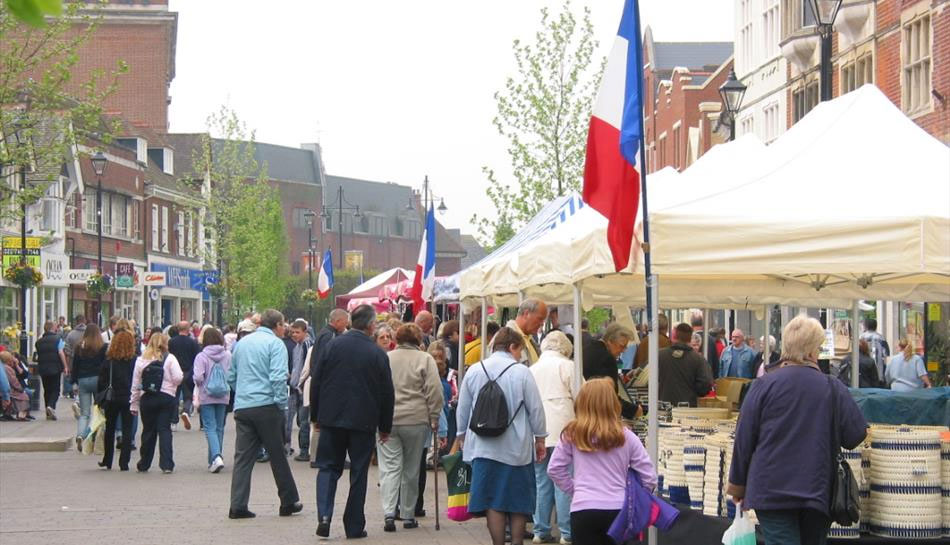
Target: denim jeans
x=213, y=417
x=296, y=412
x=135, y=428
x=87, y=390
x=549, y=497
x=793, y=526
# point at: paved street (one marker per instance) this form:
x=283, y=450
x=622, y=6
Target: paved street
x=65, y=498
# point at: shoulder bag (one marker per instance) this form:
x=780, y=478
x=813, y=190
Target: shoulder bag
x=843, y=504
x=107, y=395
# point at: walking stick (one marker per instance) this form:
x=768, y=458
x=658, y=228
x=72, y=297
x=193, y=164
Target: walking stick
x=435, y=471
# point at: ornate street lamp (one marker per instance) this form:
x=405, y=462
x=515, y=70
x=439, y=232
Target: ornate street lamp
x=732, y=93
x=825, y=12
x=99, y=166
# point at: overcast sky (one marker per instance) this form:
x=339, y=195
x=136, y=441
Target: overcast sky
x=393, y=90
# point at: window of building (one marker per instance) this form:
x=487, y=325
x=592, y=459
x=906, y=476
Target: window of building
x=136, y=221
x=300, y=218
x=803, y=100
x=89, y=210
x=796, y=15
x=399, y=227
x=52, y=207
x=746, y=35
x=155, y=224
x=190, y=248
x=771, y=122
x=771, y=28
x=180, y=228
x=677, y=147
x=915, y=61
x=857, y=73
x=72, y=211
x=165, y=241
x=747, y=125
x=662, y=151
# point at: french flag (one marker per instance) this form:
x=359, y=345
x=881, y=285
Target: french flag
x=424, y=279
x=611, y=172
x=325, y=277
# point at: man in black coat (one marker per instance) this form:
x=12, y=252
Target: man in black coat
x=185, y=349
x=683, y=373
x=354, y=398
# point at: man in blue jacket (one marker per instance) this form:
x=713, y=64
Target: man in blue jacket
x=258, y=377
x=354, y=398
x=736, y=360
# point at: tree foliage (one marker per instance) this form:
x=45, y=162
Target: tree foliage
x=44, y=114
x=243, y=216
x=543, y=113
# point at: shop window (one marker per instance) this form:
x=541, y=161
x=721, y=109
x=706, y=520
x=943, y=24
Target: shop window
x=156, y=240
x=803, y=100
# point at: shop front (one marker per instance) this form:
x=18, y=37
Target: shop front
x=181, y=298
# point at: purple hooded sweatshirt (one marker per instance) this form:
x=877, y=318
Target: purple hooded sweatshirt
x=203, y=362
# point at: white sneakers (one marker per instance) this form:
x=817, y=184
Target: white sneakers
x=216, y=465
x=185, y=420
x=76, y=412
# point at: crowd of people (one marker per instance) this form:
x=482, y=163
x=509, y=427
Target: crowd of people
x=544, y=444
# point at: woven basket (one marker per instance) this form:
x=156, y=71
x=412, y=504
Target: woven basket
x=707, y=413
x=694, y=467
x=905, y=482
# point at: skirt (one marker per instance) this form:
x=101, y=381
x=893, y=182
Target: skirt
x=501, y=487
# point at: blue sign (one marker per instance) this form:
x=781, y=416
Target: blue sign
x=187, y=279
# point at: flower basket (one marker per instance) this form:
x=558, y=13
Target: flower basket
x=99, y=284
x=310, y=296
x=23, y=275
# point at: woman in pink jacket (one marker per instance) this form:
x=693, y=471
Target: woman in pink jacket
x=159, y=407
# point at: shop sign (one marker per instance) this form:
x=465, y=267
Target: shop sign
x=13, y=251
x=78, y=276
x=54, y=269
x=153, y=278
x=124, y=275
x=184, y=278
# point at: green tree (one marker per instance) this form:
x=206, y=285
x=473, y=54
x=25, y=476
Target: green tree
x=34, y=12
x=242, y=215
x=42, y=115
x=543, y=113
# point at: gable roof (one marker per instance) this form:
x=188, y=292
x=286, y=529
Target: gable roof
x=284, y=163
x=699, y=56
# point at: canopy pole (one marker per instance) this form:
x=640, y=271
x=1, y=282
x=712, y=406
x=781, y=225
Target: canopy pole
x=461, y=350
x=653, y=389
x=855, y=345
x=705, y=334
x=578, y=338
x=766, y=348
x=484, y=327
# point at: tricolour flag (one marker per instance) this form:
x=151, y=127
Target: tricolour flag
x=611, y=171
x=325, y=277
x=424, y=278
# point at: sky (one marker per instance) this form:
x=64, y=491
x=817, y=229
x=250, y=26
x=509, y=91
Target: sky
x=392, y=90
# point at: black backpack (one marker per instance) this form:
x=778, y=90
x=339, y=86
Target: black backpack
x=490, y=415
x=152, y=377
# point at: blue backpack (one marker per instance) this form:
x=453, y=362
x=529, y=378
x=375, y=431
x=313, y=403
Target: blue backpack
x=217, y=385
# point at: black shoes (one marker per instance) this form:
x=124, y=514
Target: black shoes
x=314, y=465
x=410, y=524
x=287, y=510
x=302, y=457
x=358, y=536
x=323, y=528
x=420, y=513
x=389, y=525
x=241, y=514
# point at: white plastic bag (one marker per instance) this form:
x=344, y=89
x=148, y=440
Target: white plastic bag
x=742, y=530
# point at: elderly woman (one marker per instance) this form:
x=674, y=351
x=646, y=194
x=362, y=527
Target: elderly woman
x=384, y=337
x=503, y=483
x=559, y=386
x=19, y=399
x=784, y=433
x=600, y=360
x=418, y=404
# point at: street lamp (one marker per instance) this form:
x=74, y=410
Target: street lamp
x=341, y=205
x=24, y=336
x=825, y=12
x=732, y=93
x=99, y=166
x=309, y=215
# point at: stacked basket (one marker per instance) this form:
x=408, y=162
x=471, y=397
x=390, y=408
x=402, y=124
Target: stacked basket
x=675, y=476
x=945, y=480
x=864, y=485
x=694, y=467
x=905, y=499
x=716, y=475
x=837, y=531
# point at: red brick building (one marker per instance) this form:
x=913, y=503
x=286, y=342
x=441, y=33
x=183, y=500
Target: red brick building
x=901, y=46
x=681, y=99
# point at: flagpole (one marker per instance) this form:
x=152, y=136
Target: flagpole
x=651, y=284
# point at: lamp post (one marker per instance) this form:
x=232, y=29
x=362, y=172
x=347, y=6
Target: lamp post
x=732, y=93
x=341, y=205
x=428, y=200
x=24, y=335
x=309, y=215
x=825, y=12
x=99, y=166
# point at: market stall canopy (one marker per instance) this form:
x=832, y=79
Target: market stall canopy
x=370, y=289
x=817, y=218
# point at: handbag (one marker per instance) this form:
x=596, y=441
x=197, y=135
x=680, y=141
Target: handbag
x=843, y=505
x=458, y=477
x=107, y=395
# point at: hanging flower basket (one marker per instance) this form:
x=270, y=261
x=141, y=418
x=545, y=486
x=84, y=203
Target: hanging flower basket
x=310, y=296
x=99, y=284
x=23, y=275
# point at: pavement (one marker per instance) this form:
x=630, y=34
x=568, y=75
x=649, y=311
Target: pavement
x=63, y=497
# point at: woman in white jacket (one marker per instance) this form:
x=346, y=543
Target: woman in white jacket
x=556, y=376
